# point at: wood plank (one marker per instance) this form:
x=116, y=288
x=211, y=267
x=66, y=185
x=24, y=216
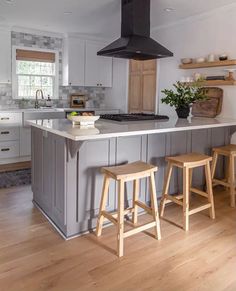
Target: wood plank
x=15, y=167
x=34, y=257
x=215, y=83
x=208, y=64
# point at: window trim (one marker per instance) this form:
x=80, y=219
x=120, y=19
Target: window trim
x=14, y=75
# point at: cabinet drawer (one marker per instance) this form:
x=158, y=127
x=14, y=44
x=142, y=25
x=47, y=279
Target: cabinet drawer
x=9, y=149
x=9, y=133
x=12, y=118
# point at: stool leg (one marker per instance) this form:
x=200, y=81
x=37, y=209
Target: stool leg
x=166, y=188
x=135, y=198
x=155, y=212
x=120, y=222
x=102, y=205
x=232, y=181
x=213, y=167
x=190, y=182
x=186, y=198
x=209, y=190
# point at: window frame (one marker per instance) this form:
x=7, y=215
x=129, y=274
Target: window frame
x=14, y=74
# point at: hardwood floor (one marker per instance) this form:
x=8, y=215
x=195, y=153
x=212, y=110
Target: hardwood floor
x=34, y=257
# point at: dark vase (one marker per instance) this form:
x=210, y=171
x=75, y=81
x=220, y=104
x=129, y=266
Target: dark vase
x=183, y=112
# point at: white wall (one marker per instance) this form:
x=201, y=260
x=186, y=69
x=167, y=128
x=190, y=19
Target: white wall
x=199, y=36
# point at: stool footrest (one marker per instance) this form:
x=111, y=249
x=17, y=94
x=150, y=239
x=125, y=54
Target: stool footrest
x=199, y=192
x=198, y=209
x=174, y=199
x=144, y=206
x=220, y=182
x=139, y=229
x=110, y=217
x=113, y=215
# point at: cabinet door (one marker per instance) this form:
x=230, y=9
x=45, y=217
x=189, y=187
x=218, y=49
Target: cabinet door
x=98, y=70
x=73, y=62
x=135, y=93
x=105, y=72
x=5, y=56
x=149, y=92
x=92, y=65
x=25, y=142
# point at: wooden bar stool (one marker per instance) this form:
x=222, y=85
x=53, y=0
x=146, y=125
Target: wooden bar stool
x=124, y=173
x=188, y=162
x=229, y=152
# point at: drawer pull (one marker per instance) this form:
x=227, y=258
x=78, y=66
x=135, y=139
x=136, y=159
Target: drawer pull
x=5, y=132
x=5, y=150
x=5, y=118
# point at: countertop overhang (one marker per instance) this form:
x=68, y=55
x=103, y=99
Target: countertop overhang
x=108, y=129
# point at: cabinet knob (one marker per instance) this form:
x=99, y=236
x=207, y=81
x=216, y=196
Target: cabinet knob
x=5, y=118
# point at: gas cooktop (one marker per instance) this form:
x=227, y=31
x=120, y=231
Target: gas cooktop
x=134, y=117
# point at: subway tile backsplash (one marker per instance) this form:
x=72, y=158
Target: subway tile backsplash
x=97, y=95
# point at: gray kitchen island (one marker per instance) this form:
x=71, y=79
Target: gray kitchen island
x=66, y=162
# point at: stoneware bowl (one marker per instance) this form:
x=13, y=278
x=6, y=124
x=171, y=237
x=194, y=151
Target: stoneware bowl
x=200, y=60
x=83, y=120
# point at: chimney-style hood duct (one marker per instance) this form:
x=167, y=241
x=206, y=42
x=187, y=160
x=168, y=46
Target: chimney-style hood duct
x=135, y=42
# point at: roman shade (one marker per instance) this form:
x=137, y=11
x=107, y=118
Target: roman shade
x=36, y=56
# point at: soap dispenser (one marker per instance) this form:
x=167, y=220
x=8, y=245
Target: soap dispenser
x=49, y=102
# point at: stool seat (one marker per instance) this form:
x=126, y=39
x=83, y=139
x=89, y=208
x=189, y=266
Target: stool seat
x=226, y=150
x=130, y=171
x=188, y=160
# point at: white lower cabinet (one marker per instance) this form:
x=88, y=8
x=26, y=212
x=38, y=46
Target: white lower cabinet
x=9, y=149
x=9, y=133
x=25, y=141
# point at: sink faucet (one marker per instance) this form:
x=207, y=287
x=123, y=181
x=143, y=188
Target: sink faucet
x=36, y=98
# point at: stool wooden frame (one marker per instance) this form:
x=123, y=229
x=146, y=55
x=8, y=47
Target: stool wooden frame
x=188, y=162
x=130, y=172
x=229, y=152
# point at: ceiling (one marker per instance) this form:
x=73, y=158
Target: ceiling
x=99, y=18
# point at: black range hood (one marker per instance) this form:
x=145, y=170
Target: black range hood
x=135, y=42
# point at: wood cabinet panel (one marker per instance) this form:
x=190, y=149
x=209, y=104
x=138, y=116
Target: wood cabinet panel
x=135, y=93
x=142, y=86
x=149, y=92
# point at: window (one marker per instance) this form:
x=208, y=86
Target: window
x=34, y=70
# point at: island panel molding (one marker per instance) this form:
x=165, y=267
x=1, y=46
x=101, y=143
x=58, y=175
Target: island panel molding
x=68, y=188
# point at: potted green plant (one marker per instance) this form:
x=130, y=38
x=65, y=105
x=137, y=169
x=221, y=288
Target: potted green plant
x=183, y=96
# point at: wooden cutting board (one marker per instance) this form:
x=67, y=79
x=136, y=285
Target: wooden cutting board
x=210, y=107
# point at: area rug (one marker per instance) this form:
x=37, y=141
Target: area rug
x=16, y=178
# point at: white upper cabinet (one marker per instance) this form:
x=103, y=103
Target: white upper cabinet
x=98, y=70
x=5, y=56
x=73, y=62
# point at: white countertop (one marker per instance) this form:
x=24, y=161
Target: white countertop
x=108, y=129
x=54, y=109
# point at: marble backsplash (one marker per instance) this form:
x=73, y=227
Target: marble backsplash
x=96, y=95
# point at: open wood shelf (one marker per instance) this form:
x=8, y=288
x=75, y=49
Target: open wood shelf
x=216, y=83
x=209, y=64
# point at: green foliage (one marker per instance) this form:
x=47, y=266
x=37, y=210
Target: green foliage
x=184, y=94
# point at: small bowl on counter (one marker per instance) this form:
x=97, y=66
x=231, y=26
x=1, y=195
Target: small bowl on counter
x=83, y=119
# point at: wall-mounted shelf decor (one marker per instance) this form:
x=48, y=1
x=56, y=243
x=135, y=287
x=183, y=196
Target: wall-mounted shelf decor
x=208, y=65
x=217, y=83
